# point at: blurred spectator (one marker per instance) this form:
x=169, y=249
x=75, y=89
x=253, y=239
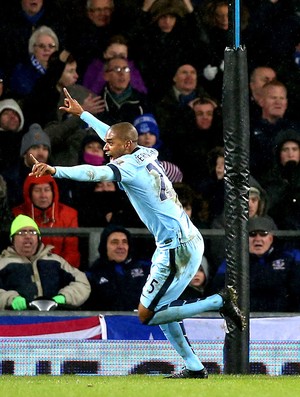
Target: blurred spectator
x=258, y=199
x=94, y=201
x=42, y=105
x=11, y=126
x=22, y=18
x=274, y=272
x=216, y=22
x=258, y=206
x=260, y=76
x=88, y=33
x=37, y=142
x=272, y=28
x=282, y=182
x=66, y=133
x=122, y=101
x=29, y=270
x=196, y=288
x=42, y=43
x=264, y=131
x=205, y=134
x=166, y=32
x=116, y=278
x=148, y=136
x=42, y=203
x=174, y=115
x=212, y=188
x=117, y=47
x=6, y=216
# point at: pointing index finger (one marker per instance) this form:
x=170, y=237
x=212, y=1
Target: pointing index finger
x=34, y=159
x=66, y=92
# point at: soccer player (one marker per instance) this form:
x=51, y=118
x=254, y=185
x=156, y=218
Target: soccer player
x=179, y=243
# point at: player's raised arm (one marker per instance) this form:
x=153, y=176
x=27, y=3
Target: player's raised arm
x=71, y=105
x=39, y=169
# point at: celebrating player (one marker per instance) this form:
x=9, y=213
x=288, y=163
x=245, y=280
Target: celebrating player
x=179, y=244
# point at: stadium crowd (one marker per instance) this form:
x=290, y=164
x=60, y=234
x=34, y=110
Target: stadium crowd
x=159, y=65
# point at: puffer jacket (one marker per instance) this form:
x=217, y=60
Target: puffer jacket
x=57, y=215
x=45, y=274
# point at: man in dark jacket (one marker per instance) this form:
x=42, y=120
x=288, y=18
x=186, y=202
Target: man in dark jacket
x=274, y=271
x=29, y=270
x=116, y=279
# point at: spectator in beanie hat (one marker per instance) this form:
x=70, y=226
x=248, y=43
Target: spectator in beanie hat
x=42, y=203
x=30, y=270
x=35, y=142
x=11, y=125
x=148, y=136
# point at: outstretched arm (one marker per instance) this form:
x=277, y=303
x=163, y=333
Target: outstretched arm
x=83, y=172
x=73, y=107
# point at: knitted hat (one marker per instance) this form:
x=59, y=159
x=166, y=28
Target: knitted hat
x=146, y=123
x=11, y=104
x=167, y=7
x=22, y=221
x=285, y=136
x=264, y=223
x=172, y=171
x=253, y=191
x=35, y=136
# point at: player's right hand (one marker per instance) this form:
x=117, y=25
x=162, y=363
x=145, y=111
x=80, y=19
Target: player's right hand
x=39, y=169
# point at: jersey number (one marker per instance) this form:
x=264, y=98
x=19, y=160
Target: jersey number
x=156, y=169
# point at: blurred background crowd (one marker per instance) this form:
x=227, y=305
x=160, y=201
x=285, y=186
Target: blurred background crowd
x=158, y=64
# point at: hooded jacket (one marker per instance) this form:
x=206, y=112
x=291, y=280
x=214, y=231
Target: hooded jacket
x=282, y=184
x=115, y=286
x=42, y=275
x=57, y=215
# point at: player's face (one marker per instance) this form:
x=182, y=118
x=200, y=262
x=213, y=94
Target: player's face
x=117, y=247
x=260, y=242
x=42, y=195
x=26, y=244
x=290, y=151
x=115, y=146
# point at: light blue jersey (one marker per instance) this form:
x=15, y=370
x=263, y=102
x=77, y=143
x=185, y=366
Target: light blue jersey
x=149, y=190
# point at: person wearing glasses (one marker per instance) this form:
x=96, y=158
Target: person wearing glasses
x=122, y=101
x=30, y=270
x=99, y=21
x=19, y=19
x=274, y=271
x=42, y=43
x=179, y=244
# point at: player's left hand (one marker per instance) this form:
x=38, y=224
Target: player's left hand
x=39, y=169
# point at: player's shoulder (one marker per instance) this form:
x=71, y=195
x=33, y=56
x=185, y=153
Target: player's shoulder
x=138, y=157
